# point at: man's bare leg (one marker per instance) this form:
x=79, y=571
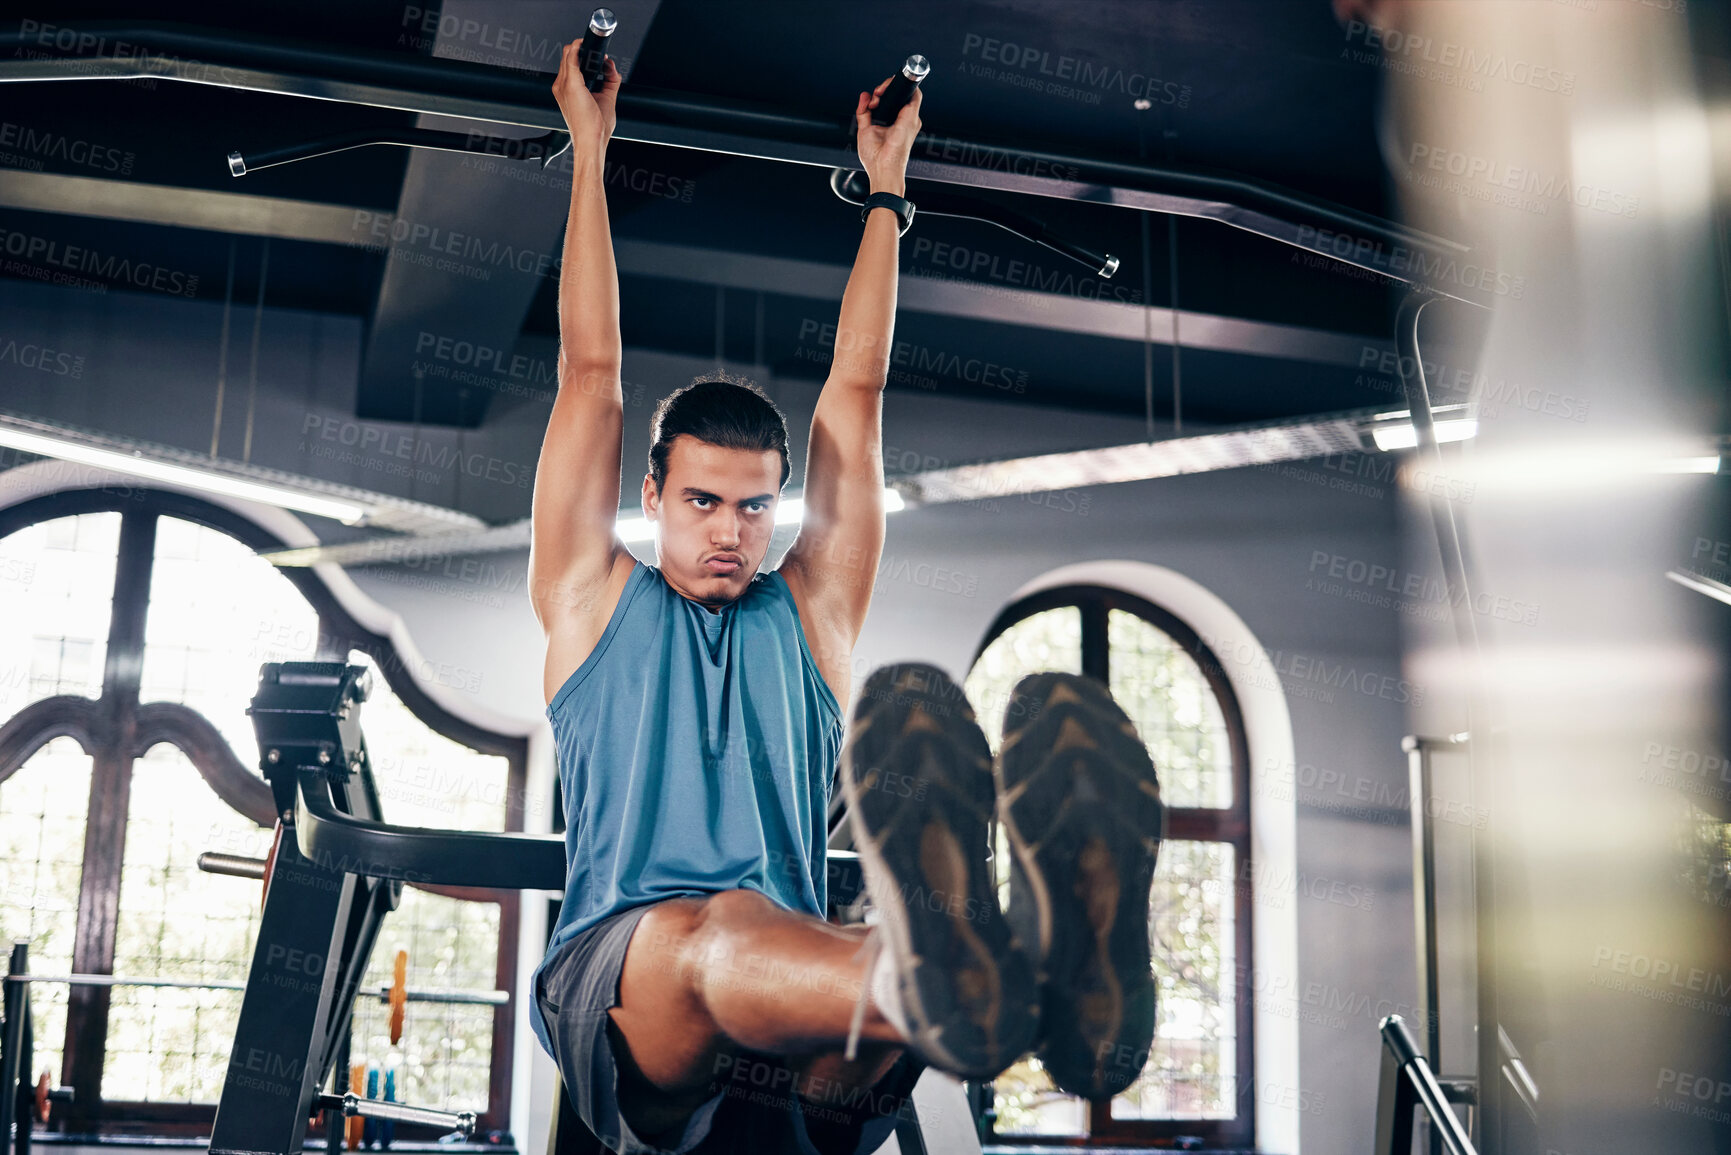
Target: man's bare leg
x=706, y=977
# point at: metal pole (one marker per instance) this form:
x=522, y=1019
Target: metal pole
x=1486, y=1118
x=463, y=1121
x=383, y=994
x=1424, y=890
x=1413, y=1067
x=16, y=1002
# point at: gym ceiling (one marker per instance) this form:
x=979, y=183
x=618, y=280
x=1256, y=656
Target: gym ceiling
x=735, y=256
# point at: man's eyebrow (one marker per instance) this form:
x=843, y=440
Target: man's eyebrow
x=692, y=491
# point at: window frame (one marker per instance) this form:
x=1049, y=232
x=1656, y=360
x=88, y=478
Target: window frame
x=1200, y=824
x=98, y=725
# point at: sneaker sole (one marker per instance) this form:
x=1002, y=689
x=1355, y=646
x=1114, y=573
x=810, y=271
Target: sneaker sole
x=916, y=773
x=1081, y=810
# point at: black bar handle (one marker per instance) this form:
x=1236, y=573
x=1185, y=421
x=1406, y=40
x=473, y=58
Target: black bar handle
x=1399, y=1043
x=901, y=89
x=327, y=836
x=592, y=53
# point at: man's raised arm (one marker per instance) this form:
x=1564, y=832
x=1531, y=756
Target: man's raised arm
x=573, y=543
x=832, y=565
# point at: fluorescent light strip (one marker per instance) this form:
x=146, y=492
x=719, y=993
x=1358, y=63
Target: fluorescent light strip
x=1141, y=461
x=1405, y=436
x=1687, y=465
x=137, y=465
x=1701, y=584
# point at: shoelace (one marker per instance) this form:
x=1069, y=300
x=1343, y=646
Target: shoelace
x=871, y=948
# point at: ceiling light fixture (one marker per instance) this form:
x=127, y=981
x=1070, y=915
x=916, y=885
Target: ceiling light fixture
x=1393, y=431
x=135, y=464
x=170, y=465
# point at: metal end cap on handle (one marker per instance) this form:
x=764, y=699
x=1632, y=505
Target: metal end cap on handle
x=602, y=22
x=916, y=68
x=1110, y=267
x=236, y=164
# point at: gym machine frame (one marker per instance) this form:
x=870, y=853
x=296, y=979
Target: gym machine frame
x=337, y=872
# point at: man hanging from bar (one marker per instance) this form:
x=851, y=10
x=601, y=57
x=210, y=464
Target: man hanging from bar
x=693, y=994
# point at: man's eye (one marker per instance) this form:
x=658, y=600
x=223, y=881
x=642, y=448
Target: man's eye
x=698, y=500
x=758, y=506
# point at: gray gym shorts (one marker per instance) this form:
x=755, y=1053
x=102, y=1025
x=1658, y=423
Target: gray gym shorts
x=754, y=1110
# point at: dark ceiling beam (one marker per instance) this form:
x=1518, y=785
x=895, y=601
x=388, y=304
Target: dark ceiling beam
x=335, y=224
x=423, y=291
x=394, y=80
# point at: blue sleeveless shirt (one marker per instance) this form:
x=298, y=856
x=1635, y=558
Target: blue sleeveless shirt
x=695, y=753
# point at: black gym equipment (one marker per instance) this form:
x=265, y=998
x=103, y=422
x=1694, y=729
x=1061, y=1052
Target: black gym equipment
x=592, y=52
x=324, y=905
x=23, y=1103
x=901, y=89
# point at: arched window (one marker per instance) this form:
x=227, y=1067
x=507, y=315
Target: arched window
x=135, y=622
x=1198, y=1078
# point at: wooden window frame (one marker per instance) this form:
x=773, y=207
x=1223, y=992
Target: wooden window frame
x=1229, y=825
x=116, y=729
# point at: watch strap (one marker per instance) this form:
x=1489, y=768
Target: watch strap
x=901, y=206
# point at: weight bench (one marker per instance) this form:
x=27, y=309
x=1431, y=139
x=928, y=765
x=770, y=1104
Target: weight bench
x=337, y=870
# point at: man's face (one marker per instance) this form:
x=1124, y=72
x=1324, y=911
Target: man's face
x=714, y=516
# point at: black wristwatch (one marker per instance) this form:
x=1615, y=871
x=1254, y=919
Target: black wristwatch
x=902, y=207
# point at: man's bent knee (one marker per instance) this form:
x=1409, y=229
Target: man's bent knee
x=663, y=937
x=680, y=935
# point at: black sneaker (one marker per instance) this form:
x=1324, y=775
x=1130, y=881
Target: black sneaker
x=917, y=775
x=1081, y=810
